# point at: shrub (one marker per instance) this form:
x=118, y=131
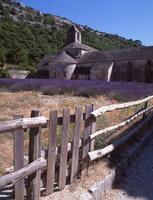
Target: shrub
x=118, y=97
x=57, y=90
x=4, y=73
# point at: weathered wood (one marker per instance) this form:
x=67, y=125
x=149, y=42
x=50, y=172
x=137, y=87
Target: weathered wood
x=145, y=107
x=76, y=141
x=16, y=176
x=69, y=148
x=120, y=125
x=109, y=108
x=24, y=123
x=19, y=159
x=93, y=130
x=51, y=152
x=72, y=119
x=64, y=149
x=86, y=141
x=33, y=188
x=94, y=155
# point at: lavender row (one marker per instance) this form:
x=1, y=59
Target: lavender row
x=127, y=90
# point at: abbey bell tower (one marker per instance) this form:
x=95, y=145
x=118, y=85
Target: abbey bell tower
x=74, y=35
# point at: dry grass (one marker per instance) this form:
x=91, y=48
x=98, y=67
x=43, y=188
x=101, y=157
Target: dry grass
x=74, y=191
x=6, y=154
x=24, y=102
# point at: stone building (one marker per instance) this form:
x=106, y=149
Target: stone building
x=63, y=65
x=79, y=61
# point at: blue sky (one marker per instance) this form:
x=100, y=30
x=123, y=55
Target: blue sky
x=128, y=18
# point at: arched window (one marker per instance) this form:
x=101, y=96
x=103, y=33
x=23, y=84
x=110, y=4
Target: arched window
x=148, y=72
x=54, y=75
x=129, y=71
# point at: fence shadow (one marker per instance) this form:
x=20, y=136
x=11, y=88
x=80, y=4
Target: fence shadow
x=137, y=180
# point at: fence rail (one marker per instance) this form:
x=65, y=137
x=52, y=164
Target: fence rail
x=15, y=176
x=66, y=161
x=112, y=107
x=22, y=123
x=120, y=125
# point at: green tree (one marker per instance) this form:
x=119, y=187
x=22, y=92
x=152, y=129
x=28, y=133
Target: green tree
x=2, y=56
x=49, y=20
x=18, y=55
x=6, y=11
x=1, y=6
x=4, y=73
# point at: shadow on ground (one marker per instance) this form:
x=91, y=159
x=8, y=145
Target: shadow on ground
x=137, y=181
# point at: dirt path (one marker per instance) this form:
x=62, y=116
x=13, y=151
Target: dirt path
x=138, y=183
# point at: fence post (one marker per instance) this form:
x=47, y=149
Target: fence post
x=33, y=183
x=93, y=130
x=145, y=107
x=76, y=141
x=63, y=153
x=86, y=145
x=51, y=152
x=18, y=136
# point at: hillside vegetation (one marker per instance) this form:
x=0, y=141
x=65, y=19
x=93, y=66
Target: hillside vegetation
x=27, y=35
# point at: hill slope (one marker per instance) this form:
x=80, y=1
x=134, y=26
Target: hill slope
x=26, y=35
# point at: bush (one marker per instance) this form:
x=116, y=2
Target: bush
x=49, y=20
x=6, y=11
x=57, y=90
x=4, y=73
x=115, y=95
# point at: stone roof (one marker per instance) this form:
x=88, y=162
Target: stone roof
x=134, y=53
x=46, y=60
x=102, y=66
x=60, y=58
x=77, y=45
x=63, y=57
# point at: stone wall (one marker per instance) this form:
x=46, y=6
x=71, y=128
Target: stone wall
x=19, y=74
x=61, y=71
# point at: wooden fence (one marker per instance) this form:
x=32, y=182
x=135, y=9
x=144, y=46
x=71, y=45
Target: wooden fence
x=62, y=163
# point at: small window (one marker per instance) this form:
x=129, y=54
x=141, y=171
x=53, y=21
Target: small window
x=78, y=37
x=54, y=74
x=64, y=74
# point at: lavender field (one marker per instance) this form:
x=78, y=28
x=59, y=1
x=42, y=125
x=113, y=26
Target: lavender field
x=120, y=91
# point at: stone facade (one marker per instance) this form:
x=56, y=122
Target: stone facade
x=84, y=62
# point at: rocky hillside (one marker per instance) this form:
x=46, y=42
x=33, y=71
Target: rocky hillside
x=26, y=35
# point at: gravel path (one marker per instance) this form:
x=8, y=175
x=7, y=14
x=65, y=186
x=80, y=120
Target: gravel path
x=138, y=182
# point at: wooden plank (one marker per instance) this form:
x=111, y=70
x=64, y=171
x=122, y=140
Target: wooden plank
x=64, y=149
x=72, y=119
x=86, y=140
x=76, y=141
x=24, y=123
x=93, y=130
x=19, y=159
x=112, y=107
x=22, y=173
x=33, y=189
x=120, y=125
x=51, y=152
